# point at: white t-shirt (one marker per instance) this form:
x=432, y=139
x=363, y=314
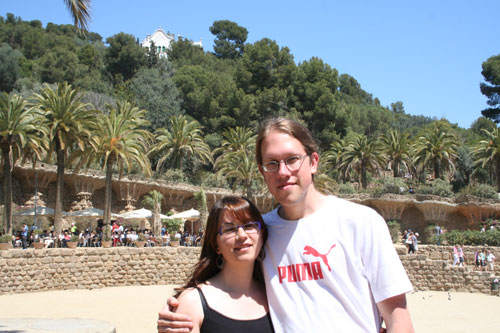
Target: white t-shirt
x=327, y=271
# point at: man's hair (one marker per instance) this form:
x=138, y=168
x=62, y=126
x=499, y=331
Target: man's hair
x=287, y=126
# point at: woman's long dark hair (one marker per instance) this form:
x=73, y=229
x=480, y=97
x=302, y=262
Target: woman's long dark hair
x=242, y=210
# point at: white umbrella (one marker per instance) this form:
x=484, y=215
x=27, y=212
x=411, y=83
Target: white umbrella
x=40, y=210
x=90, y=212
x=188, y=214
x=142, y=213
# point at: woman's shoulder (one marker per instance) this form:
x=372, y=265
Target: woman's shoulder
x=190, y=295
x=190, y=304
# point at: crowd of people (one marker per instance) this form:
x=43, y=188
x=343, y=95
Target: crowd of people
x=120, y=235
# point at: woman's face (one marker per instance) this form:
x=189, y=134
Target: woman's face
x=236, y=244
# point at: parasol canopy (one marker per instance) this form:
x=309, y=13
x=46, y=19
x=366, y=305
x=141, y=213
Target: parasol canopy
x=142, y=213
x=188, y=214
x=40, y=211
x=90, y=212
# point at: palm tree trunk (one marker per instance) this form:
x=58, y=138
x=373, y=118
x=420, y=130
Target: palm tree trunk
x=59, y=190
x=156, y=219
x=108, y=189
x=364, y=182
x=396, y=168
x=7, y=171
x=436, y=169
x=498, y=172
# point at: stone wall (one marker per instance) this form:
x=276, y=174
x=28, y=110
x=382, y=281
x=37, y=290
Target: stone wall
x=89, y=268
x=431, y=269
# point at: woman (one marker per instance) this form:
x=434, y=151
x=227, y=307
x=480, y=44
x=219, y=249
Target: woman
x=226, y=291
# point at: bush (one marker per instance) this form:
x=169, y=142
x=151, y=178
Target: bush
x=346, y=189
x=473, y=237
x=439, y=187
x=391, y=185
x=394, y=229
x=5, y=239
x=174, y=175
x=484, y=191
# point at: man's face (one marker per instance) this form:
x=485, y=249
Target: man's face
x=288, y=187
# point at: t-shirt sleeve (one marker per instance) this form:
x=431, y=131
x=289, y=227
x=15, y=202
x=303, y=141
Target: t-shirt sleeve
x=382, y=266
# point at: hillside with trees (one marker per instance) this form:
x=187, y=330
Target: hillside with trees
x=113, y=105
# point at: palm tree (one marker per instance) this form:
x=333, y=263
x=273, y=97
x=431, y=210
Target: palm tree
x=487, y=152
x=153, y=201
x=332, y=159
x=437, y=148
x=19, y=125
x=362, y=155
x=396, y=149
x=80, y=11
x=184, y=140
x=121, y=139
x=70, y=123
x=236, y=161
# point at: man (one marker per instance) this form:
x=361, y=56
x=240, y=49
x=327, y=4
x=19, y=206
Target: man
x=24, y=236
x=330, y=264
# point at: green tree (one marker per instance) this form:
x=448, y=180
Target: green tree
x=396, y=147
x=153, y=201
x=155, y=91
x=362, y=155
x=487, y=152
x=17, y=122
x=70, y=123
x=9, y=67
x=436, y=148
x=491, y=88
x=229, y=39
x=183, y=140
x=124, y=56
x=265, y=65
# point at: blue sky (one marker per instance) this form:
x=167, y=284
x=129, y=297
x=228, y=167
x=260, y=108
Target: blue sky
x=427, y=54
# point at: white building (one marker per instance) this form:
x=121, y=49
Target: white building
x=162, y=41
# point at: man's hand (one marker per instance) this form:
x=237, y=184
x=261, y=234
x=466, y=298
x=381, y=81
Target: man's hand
x=171, y=322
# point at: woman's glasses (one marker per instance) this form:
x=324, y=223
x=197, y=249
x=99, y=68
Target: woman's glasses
x=230, y=230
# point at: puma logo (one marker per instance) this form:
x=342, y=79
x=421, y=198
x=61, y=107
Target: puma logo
x=308, y=250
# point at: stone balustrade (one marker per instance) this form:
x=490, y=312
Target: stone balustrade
x=90, y=268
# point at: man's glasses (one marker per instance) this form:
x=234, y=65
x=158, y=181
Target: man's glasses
x=230, y=230
x=293, y=163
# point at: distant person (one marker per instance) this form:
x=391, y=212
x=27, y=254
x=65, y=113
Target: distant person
x=439, y=231
x=455, y=255
x=490, y=258
x=461, y=259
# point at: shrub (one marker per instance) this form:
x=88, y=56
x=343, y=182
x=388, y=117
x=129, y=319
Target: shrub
x=394, y=229
x=5, y=239
x=346, y=189
x=484, y=191
x=473, y=237
x=391, y=185
x=440, y=188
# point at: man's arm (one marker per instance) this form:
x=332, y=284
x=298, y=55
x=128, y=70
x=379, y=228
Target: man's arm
x=395, y=314
x=171, y=322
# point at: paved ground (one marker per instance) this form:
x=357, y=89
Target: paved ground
x=134, y=309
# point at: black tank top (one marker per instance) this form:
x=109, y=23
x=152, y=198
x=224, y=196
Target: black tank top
x=215, y=322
